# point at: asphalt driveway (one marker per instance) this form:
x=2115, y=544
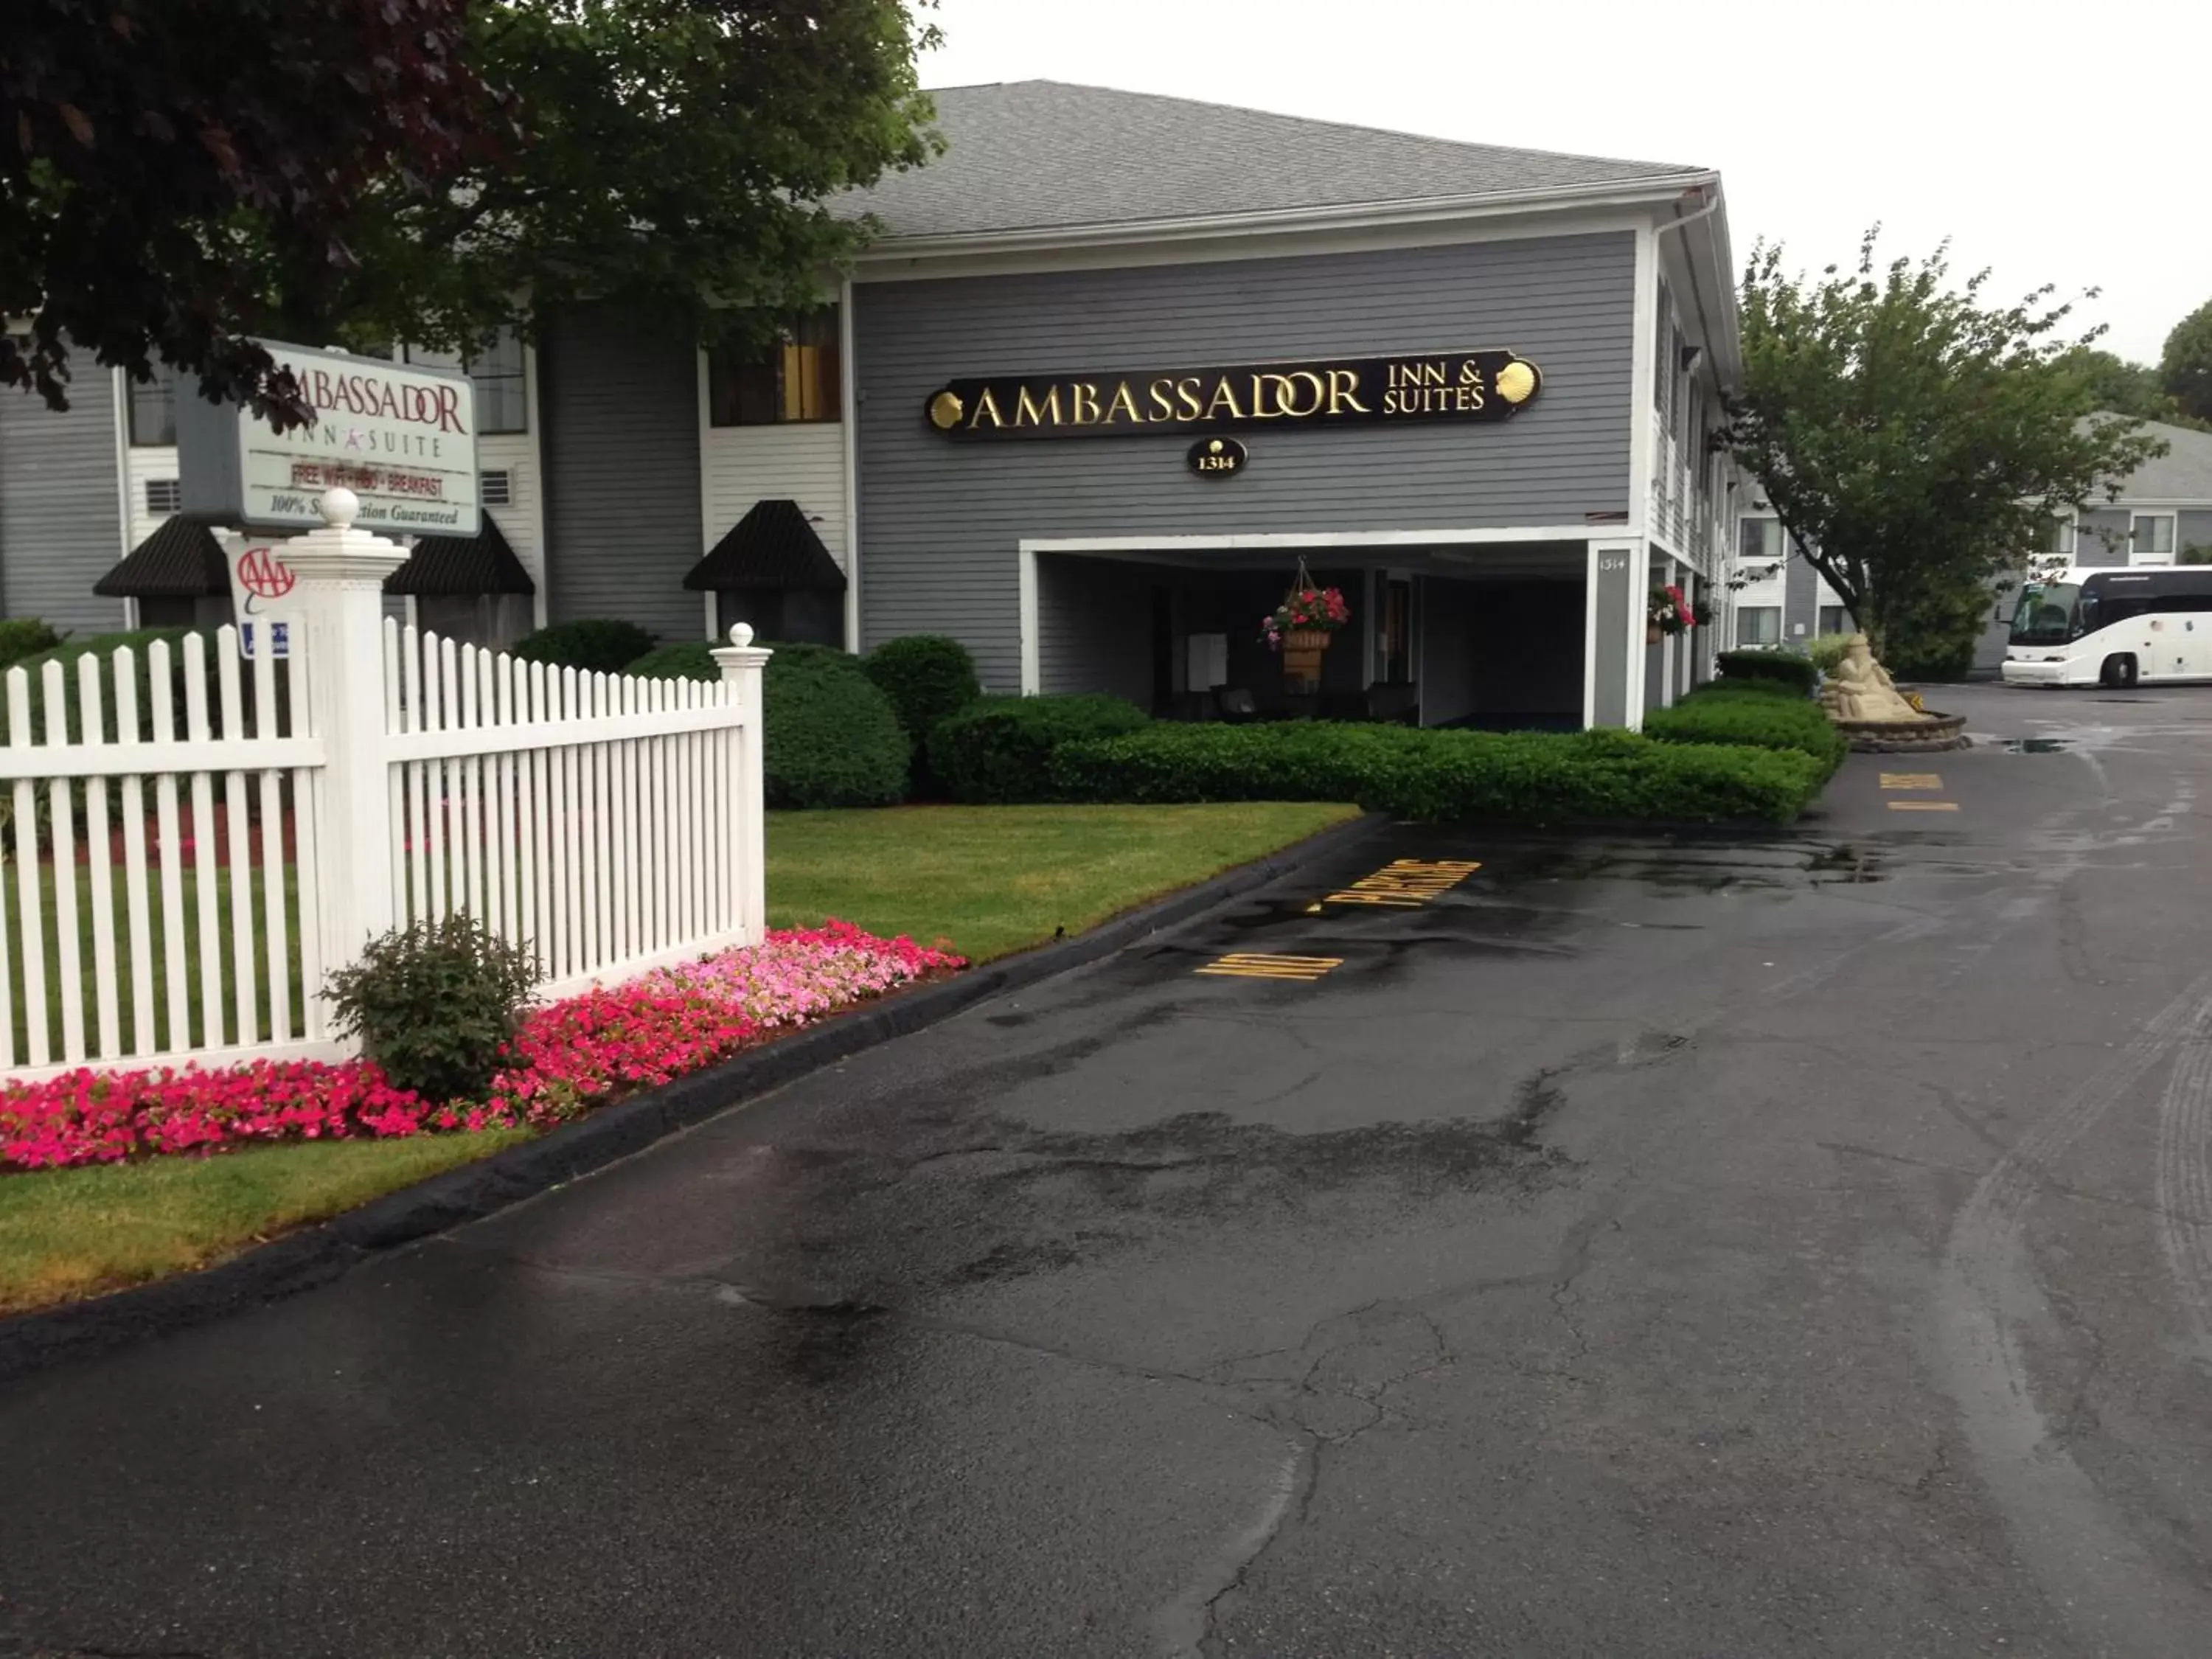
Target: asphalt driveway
x=1728, y=1246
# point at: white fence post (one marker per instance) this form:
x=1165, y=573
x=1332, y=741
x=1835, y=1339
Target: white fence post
x=337, y=607
x=742, y=662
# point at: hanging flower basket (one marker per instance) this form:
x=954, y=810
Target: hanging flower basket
x=1670, y=613
x=1300, y=628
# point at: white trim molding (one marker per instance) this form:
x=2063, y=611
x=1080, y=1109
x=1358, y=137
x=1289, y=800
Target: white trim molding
x=1032, y=653
x=1288, y=540
x=848, y=416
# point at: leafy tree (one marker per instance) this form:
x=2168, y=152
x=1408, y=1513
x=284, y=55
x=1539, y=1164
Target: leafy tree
x=171, y=174
x=429, y=169
x=1911, y=439
x=2119, y=386
x=2185, y=368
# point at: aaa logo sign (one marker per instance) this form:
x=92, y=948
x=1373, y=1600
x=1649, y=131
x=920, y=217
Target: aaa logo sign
x=259, y=582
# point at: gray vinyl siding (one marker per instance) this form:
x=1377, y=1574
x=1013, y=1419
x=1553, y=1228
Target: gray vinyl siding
x=1094, y=629
x=2109, y=549
x=940, y=522
x=61, y=527
x=620, y=405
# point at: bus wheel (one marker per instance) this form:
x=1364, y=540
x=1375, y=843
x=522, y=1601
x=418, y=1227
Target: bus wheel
x=2118, y=673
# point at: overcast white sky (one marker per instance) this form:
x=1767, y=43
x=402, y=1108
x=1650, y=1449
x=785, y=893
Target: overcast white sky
x=2055, y=142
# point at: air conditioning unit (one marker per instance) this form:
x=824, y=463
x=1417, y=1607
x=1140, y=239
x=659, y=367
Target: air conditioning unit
x=163, y=495
x=496, y=489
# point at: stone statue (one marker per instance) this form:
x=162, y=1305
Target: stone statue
x=1860, y=688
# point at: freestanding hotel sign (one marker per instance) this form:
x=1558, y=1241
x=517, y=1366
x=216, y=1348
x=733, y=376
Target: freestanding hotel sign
x=402, y=438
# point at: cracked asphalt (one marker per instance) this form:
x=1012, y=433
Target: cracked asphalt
x=1797, y=1245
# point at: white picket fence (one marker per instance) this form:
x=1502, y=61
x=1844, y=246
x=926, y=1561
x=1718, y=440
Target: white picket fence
x=609, y=824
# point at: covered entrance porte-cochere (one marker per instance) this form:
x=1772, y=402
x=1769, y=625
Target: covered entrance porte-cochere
x=1493, y=634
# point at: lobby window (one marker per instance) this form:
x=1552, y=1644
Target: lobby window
x=2150, y=538
x=501, y=377
x=153, y=405
x=1758, y=624
x=795, y=379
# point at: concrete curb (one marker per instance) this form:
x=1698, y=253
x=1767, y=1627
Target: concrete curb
x=314, y=1255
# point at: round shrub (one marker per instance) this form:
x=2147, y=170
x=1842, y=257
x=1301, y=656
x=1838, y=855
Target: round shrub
x=25, y=636
x=926, y=677
x=691, y=659
x=595, y=645
x=831, y=738
x=998, y=750
x=1784, y=665
x=435, y=1005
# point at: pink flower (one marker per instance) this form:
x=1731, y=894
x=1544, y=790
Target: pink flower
x=568, y=1057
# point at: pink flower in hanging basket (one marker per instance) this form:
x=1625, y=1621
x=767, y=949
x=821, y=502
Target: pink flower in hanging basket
x=1306, y=609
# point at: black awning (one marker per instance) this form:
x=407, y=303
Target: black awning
x=447, y=565
x=181, y=560
x=771, y=547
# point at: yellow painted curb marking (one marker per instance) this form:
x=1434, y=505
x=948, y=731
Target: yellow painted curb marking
x=1249, y=965
x=1405, y=883
x=1923, y=807
x=1911, y=781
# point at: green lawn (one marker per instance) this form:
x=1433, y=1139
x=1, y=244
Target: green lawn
x=990, y=879
x=994, y=879
x=68, y=1233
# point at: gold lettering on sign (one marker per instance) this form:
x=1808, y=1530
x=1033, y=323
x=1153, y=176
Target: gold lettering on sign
x=1187, y=398
x=1123, y=400
x=1026, y=408
x=1162, y=393
x=1224, y=394
x=1259, y=385
x=987, y=405
x=1291, y=405
x=1086, y=398
x=1343, y=392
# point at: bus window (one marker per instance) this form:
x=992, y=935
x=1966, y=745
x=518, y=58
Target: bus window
x=2046, y=614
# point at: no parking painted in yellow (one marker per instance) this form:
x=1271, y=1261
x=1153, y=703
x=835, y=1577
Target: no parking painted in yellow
x=1405, y=883
x=1917, y=781
x=1249, y=965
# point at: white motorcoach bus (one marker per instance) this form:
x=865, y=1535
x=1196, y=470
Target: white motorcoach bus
x=2113, y=628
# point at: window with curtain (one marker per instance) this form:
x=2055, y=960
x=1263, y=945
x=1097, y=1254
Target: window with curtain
x=1760, y=539
x=795, y=379
x=153, y=407
x=2150, y=537
x=1758, y=624
x=1834, y=619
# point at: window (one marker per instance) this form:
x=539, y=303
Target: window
x=1834, y=619
x=795, y=381
x=1758, y=624
x=1760, y=539
x=154, y=407
x=163, y=495
x=2150, y=538
x=496, y=489
x=1394, y=641
x=500, y=375
x=2059, y=537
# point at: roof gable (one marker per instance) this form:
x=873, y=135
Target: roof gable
x=1047, y=154
x=2184, y=473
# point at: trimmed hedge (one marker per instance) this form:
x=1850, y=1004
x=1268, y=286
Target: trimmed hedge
x=593, y=644
x=829, y=736
x=1757, y=718
x=926, y=677
x=1784, y=665
x=688, y=659
x=1523, y=777
x=998, y=750
x=25, y=636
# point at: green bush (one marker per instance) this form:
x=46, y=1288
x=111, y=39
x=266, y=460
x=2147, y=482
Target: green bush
x=1826, y=652
x=998, y=750
x=435, y=1005
x=25, y=636
x=692, y=659
x=831, y=738
x=1758, y=720
x=926, y=677
x=1786, y=666
x=594, y=645
x=1525, y=777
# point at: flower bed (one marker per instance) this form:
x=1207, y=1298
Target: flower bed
x=570, y=1056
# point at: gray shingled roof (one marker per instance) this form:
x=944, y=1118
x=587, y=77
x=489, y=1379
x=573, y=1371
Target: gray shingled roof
x=2184, y=473
x=1044, y=154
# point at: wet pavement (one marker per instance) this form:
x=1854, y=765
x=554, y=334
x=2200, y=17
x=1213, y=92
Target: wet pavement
x=1723, y=1245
